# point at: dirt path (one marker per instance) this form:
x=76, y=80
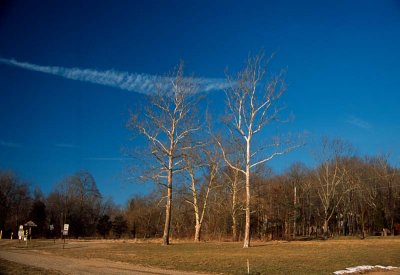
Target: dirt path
x=80, y=266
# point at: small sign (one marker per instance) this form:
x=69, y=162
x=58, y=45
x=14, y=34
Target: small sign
x=66, y=227
x=51, y=227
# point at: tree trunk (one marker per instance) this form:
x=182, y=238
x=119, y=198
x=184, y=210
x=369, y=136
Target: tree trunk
x=168, y=208
x=234, y=229
x=197, y=227
x=247, y=226
x=167, y=224
x=325, y=228
x=197, y=232
x=362, y=225
x=234, y=219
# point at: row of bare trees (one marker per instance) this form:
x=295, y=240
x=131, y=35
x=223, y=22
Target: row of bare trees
x=343, y=195
x=347, y=195
x=175, y=130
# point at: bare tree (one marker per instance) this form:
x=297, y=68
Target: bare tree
x=79, y=202
x=361, y=198
x=207, y=161
x=166, y=123
x=233, y=180
x=387, y=175
x=331, y=178
x=234, y=184
x=15, y=202
x=144, y=216
x=296, y=177
x=252, y=102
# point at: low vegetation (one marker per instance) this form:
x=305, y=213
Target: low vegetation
x=274, y=257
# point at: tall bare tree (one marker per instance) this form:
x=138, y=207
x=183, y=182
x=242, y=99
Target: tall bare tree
x=252, y=101
x=233, y=180
x=296, y=177
x=387, y=176
x=200, y=188
x=332, y=177
x=166, y=122
x=361, y=198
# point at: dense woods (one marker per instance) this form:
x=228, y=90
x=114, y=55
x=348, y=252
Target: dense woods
x=212, y=182
x=348, y=195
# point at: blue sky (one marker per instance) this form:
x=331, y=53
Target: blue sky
x=71, y=70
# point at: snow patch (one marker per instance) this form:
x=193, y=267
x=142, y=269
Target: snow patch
x=362, y=268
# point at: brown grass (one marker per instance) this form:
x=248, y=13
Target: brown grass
x=11, y=268
x=276, y=257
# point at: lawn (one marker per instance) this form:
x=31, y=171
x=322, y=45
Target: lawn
x=11, y=268
x=297, y=257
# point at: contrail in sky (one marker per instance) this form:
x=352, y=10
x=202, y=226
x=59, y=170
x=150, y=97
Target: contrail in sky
x=140, y=83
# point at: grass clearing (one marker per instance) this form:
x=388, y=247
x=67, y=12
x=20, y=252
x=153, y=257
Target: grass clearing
x=308, y=257
x=11, y=268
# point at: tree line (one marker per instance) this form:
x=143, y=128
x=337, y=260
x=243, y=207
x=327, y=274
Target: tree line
x=344, y=196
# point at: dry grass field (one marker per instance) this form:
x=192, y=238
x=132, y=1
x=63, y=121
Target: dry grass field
x=9, y=267
x=275, y=257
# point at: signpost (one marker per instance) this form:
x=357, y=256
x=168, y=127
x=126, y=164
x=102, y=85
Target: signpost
x=65, y=232
x=66, y=227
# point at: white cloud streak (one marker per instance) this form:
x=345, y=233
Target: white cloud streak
x=358, y=122
x=140, y=83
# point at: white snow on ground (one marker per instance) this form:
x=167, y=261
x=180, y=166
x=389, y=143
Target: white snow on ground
x=363, y=268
